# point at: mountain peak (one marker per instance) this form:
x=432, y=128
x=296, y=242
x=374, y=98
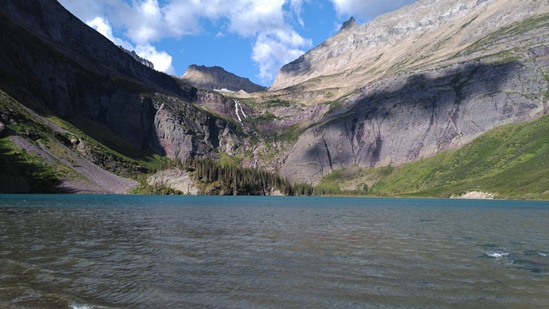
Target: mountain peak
x=397, y=36
x=351, y=23
x=216, y=77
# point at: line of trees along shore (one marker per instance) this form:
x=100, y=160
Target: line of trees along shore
x=231, y=179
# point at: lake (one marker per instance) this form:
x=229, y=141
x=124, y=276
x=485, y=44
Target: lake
x=127, y=251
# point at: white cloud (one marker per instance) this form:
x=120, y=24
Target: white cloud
x=276, y=43
x=248, y=19
x=274, y=49
x=102, y=26
x=182, y=18
x=268, y=23
x=366, y=9
x=160, y=59
x=296, y=6
x=145, y=22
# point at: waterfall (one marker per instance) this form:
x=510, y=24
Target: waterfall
x=238, y=106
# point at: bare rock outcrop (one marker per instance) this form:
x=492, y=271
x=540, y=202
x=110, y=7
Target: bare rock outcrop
x=175, y=179
x=477, y=195
x=139, y=59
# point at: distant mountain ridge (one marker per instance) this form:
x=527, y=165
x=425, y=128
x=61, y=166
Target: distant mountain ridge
x=217, y=78
x=423, y=33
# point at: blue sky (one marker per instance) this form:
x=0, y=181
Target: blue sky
x=251, y=38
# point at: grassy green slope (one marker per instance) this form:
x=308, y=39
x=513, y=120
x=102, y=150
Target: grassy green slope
x=21, y=171
x=511, y=161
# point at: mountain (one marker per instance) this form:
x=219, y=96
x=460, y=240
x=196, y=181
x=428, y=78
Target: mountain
x=216, y=78
x=429, y=77
x=135, y=56
x=416, y=37
x=71, y=96
x=401, y=105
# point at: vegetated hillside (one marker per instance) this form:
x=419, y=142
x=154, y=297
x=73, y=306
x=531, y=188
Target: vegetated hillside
x=45, y=154
x=511, y=161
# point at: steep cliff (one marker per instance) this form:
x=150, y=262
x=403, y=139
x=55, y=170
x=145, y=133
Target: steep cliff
x=216, y=78
x=54, y=64
x=429, y=77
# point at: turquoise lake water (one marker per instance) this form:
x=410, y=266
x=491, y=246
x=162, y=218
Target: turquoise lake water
x=116, y=251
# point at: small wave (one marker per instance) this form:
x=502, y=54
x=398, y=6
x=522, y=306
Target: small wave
x=497, y=255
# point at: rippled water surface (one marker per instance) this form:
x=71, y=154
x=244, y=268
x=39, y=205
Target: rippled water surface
x=106, y=251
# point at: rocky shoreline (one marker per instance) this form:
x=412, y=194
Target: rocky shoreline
x=477, y=195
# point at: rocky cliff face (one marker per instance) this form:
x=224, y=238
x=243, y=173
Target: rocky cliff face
x=216, y=78
x=430, y=77
x=135, y=56
x=394, y=121
x=418, y=35
x=54, y=62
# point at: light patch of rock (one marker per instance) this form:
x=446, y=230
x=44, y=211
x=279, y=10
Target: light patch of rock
x=175, y=179
x=477, y=195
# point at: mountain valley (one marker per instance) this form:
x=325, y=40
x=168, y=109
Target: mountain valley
x=436, y=99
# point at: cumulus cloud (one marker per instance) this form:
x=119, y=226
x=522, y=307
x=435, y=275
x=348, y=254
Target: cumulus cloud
x=274, y=49
x=160, y=59
x=145, y=22
x=266, y=22
x=276, y=43
x=366, y=9
x=102, y=26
